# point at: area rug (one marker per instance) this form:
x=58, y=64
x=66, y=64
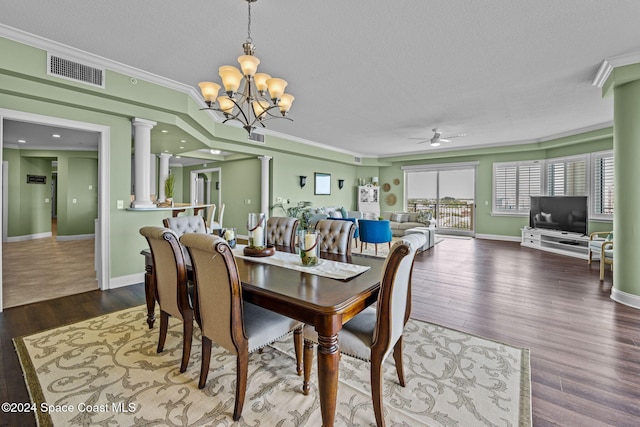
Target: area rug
x=105, y=371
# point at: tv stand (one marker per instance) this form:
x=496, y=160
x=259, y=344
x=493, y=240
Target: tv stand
x=559, y=242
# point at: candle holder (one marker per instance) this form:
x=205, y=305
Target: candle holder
x=230, y=236
x=256, y=226
x=308, y=241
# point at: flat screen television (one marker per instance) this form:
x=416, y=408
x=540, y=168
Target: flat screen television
x=563, y=213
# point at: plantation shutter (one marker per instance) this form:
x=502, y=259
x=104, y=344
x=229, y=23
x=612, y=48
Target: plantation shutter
x=514, y=183
x=603, y=182
x=529, y=184
x=567, y=177
x=505, y=189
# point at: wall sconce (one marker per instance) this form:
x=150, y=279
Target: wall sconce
x=303, y=181
x=340, y=183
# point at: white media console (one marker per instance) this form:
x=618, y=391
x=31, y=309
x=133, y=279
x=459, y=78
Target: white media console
x=559, y=242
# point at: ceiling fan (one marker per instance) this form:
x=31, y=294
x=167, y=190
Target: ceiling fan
x=437, y=138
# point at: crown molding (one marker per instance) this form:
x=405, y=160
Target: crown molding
x=609, y=64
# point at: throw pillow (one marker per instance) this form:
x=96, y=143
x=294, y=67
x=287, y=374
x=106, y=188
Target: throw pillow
x=343, y=211
x=424, y=217
x=546, y=216
x=609, y=237
x=335, y=214
x=413, y=216
x=396, y=217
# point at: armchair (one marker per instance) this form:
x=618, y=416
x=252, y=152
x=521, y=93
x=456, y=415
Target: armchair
x=374, y=231
x=603, y=248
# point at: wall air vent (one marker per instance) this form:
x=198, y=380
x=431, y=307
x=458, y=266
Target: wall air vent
x=257, y=137
x=357, y=159
x=72, y=70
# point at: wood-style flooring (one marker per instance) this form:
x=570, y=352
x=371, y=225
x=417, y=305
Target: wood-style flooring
x=43, y=269
x=585, y=348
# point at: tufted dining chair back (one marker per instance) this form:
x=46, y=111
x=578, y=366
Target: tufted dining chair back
x=185, y=224
x=335, y=236
x=282, y=231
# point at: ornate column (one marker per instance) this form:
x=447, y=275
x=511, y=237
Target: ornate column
x=142, y=153
x=264, y=188
x=163, y=173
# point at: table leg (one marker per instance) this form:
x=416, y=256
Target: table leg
x=328, y=363
x=150, y=295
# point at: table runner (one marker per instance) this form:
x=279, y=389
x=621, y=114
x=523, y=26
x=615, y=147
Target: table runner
x=326, y=268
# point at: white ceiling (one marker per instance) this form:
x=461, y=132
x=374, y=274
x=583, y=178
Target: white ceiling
x=370, y=74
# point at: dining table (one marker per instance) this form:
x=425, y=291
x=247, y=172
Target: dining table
x=307, y=295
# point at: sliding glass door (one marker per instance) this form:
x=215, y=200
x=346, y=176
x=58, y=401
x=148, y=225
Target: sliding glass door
x=447, y=192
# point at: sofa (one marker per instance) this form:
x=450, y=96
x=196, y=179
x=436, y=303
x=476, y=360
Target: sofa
x=402, y=221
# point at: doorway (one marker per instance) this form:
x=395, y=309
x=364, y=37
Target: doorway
x=447, y=192
x=100, y=261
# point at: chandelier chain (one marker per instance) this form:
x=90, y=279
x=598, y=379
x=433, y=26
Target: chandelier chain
x=249, y=23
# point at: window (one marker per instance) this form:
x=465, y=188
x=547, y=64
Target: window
x=567, y=176
x=513, y=183
x=602, y=198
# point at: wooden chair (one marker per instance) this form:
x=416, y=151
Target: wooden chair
x=603, y=248
x=173, y=293
x=239, y=327
x=336, y=237
x=282, y=231
x=374, y=333
x=216, y=226
x=211, y=214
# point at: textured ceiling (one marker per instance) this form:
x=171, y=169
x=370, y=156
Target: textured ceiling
x=369, y=75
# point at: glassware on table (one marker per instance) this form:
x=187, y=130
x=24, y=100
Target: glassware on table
x=309, y=248
x=230, y=236
x=256, y=226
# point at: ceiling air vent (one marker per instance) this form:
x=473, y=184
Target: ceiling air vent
x=357, y=159
x=256, y=137
x=71, y=70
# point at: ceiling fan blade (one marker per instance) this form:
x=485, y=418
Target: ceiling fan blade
x=444, y=140
x=421, y=138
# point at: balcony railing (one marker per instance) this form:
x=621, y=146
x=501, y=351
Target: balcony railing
x=454, y=216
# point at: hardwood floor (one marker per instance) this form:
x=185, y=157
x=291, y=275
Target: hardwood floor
x=42, y=269
x=585, y=355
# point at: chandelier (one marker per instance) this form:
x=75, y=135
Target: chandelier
x=250, y=106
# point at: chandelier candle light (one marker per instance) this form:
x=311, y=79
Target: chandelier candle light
x=252, y=105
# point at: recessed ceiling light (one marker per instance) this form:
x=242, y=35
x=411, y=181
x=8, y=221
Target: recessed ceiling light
x=55, y=135
x=214, y=151
x=22, y=141
x=178, y=157
x=166, y=151
x=183, y=141
x=164, y=131
x=181, y=148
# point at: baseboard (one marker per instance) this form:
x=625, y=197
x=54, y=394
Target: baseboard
x=499, y=237
x=625, y=298
x=122, y=281
x=29, y=237
x=75, y=237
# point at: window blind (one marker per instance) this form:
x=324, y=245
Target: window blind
x=603, y=184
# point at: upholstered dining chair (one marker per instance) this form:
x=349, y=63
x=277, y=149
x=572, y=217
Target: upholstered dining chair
x=335, y=236
x=173, y=291
x=224, y=318
x=375, y=332
x=356, y=233
x=185, y=224
x=374, y=231
x=601, y=244
x=282, y=231
x=216, y=226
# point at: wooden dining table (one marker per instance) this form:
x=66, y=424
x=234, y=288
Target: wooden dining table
x=315, y=300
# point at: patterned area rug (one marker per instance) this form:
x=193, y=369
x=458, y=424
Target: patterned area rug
x=105, y=371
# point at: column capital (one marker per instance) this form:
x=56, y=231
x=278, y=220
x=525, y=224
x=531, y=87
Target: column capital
x=137, y=122
x=265, y=158
x=163, y=155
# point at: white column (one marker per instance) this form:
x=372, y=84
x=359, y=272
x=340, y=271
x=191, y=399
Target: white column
x=142, y=144
x=163, y=173
x=264, y=188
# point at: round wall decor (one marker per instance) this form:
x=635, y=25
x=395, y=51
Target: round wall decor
x=390, y=199
x=396, y=181
x=386, y=186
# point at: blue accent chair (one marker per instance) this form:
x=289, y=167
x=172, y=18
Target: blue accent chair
x=374, y=231
x=356, y=235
